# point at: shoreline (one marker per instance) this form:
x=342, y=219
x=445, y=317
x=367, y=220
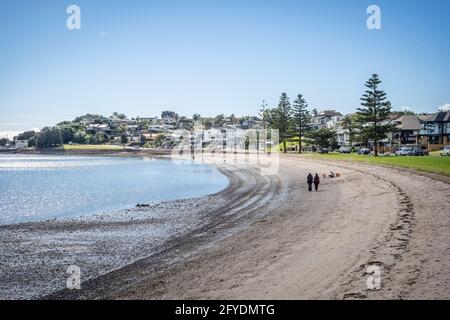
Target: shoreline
x=36, y=239
x=56, y=151
x=126, y=283
x=271, y=239
x=121, y=208
x=292, y=254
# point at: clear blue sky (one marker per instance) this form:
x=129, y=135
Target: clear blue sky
x=211, y=57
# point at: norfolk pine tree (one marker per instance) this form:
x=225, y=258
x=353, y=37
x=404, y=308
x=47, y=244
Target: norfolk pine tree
x=301, y=119
x=375, y=108
x=284, y=118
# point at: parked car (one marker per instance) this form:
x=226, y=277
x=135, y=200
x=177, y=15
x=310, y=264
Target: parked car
x=445, y=151
x=364, y=151
x=322, y=150
x=418, y=152
x=405, y=151
x=345, y=150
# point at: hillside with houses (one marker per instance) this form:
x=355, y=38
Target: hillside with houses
x=374, y=127
x=430, y=130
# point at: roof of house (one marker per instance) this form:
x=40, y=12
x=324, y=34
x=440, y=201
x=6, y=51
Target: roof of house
x=408, y=122
x=447, y=116
x=329, y=113
x=425, y=117
x=441, y=117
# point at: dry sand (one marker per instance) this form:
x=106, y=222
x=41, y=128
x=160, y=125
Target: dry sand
x=263, y=237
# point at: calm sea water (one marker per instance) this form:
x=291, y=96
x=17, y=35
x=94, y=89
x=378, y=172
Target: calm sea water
x=35, y=187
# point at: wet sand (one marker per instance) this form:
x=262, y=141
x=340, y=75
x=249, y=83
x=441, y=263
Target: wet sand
x=34, y=256
x=263, y=237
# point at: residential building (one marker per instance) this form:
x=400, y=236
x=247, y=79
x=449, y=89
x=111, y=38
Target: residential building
x=116, y=122
x=21, y=144
x=435, y=130
x=156, y=128
x=342, y=137
x=323, y=118
x=151, y=120
x=95, y=128
x=335, y=123
x=169, y=121
x=406, y=130
x=137, y=139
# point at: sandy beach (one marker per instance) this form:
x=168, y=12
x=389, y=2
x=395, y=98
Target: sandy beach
x=264, y=237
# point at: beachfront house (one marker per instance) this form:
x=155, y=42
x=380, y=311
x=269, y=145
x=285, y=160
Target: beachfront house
x=406, y=130
x=136, y=140
x=326, y=119
x=435, y=131
x=342, y=136
x=21, y=144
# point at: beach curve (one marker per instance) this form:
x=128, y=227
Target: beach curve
x=271, y=239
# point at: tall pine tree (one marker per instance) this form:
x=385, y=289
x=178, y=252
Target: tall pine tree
x=301, y=119
x=284, y=118
x=263, y=113
x=375, y=108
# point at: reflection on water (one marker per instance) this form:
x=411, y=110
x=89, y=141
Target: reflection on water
x=35, y=187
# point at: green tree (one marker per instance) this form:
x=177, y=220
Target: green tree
x=80, y=137
x=90, y=139
x=362, y=136
x=301, y=119
x=32, y=141
x=243, y=119
x=233, y=119
x=196, y=117
x=263, y=113
x=100, y=138
x=219, y=120
x=124, y=138
x=208, y=123
x=3, y=142
x=322, y=138
x=284, y=118
x=49, y=137
x=169, y=114
x=159, y=139
x=27, y=135
x=68, y=134
x=375, y=108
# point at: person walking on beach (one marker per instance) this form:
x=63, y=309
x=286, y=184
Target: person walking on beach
x=316, y=182
x=310, y=181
